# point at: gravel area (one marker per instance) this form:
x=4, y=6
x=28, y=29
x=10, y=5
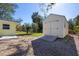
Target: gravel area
x=59, y=47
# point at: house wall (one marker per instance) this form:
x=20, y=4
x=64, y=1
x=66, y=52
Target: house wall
x=11, y=31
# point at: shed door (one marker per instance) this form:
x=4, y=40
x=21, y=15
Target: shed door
x=47, y=28
x=54, y=29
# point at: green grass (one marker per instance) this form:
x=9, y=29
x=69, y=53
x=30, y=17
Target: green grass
x=22, y=33
x=37, y=34
x=25, y=33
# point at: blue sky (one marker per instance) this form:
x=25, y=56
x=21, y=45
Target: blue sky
x=25, y=10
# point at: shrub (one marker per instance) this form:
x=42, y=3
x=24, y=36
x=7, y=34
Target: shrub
x=76, y=29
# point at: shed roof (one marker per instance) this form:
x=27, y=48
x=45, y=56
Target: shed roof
x=56, y=15
x=8, y=20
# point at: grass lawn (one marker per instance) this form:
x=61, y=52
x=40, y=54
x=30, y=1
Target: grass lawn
x=37, y=34
x=29, y=33
x=22, y=33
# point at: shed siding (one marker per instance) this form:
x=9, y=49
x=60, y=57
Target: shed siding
x=55, y=26
x=11, y=31
x=65, y=27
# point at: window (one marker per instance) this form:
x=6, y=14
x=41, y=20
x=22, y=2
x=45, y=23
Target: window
x=6, y=26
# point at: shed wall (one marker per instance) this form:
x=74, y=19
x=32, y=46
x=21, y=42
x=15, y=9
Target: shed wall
x=65, y=28
x=11, y=31
x=54, y=25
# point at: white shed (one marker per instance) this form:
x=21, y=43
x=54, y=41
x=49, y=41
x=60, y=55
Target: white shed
x=55, y=25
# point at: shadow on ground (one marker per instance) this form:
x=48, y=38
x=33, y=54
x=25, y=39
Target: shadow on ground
x=60, y=47
x=21, y=50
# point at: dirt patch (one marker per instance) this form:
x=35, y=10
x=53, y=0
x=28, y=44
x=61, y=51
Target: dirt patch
x=13, y=47
x=17, y=47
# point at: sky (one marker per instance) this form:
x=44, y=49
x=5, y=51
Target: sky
x=25, y=10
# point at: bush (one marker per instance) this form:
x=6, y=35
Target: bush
x=76, y=29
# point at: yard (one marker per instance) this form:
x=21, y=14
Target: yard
x=30, y=45
x=29, y=39
x=18, y=46
x=29, y=33
x=15, y=47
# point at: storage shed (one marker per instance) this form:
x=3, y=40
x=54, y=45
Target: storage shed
x=55, y=25
x=7, y=28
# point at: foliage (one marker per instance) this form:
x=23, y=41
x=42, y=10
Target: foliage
x=71, y=24
x=6, y=10
x=34, y=27
x=74, y=25
x=36, y=17
x=18, y=27
x=27, y=27
x=45, y=8
x=37, y=22
x=76, y=19
x=19, y=20
x=23, y=27
x=76, y=29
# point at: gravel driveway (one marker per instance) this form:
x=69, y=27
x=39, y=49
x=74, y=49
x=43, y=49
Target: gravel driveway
x=60, y=47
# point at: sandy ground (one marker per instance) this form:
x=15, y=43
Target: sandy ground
x=17, y=46
x=76, y=39
x=36, y=46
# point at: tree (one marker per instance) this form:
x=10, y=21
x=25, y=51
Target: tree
x=45, y=8
x=23, y=28
x=19, y=20
x=76, y=19
x=34, y=16
x=76, y=24
x=19, y=26
x=71, y=24
x=34, y=27
x=76, y=29
x=6, y=10
x=27, y=27
x=37, y=19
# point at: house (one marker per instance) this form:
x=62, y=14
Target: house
x=55, y=25
x=7, y=28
